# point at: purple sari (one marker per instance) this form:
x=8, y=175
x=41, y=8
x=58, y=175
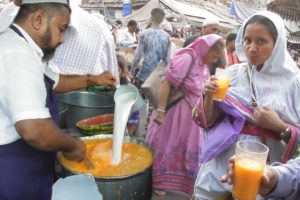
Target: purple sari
x=292, y=148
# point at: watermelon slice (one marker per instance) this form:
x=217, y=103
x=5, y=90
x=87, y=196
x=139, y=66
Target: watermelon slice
x=101, y=124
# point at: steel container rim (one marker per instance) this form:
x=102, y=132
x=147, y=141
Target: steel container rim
x=59, y=97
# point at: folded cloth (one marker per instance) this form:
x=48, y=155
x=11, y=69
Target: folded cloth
x=223, y=134
x=134, y=118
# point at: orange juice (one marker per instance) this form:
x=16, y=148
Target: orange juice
x=135, y=158
x=248, y=174
x=221, y=93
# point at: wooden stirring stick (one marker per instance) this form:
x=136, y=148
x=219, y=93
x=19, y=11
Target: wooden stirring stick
x=89, y=163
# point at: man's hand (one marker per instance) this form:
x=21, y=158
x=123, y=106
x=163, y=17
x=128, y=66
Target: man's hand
x=18, y=2
x=78, y=152
x=106, y=78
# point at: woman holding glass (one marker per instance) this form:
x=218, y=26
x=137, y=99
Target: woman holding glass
x=173, y=135
x=265, y=89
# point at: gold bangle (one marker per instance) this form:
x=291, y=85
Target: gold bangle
x=89, y=80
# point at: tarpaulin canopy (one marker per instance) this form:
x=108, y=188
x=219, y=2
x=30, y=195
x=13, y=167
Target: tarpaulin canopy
x=242, y=11
x=188, y=12
x=288, y=9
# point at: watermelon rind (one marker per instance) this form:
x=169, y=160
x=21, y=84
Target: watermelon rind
x=86, y=122
x=96, y=129
x=104, y=127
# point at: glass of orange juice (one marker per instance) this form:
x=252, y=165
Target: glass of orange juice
x=223, y=80
x=251, y=157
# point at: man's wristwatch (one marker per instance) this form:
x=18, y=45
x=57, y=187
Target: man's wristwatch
x=285, y=135
x=89, y=80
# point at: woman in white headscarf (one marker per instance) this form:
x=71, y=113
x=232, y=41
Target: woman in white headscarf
x=265, y=89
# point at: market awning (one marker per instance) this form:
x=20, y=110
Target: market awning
x=295, y=37
x=192, y=13
x=287, y=9
x=293, y=31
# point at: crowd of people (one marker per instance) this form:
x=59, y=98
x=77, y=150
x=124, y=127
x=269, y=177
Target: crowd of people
x=54, y=46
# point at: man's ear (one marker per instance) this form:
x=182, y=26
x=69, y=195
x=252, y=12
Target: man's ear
x=39, y=20
x=18, y=2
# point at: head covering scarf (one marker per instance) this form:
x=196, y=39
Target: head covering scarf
x=45, y=1
x=200, y=47
x=280, y=61
x=273, y=82
x=181, y=67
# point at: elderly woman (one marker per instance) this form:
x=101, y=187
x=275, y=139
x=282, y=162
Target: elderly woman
x=176, y=138
x=265, y=89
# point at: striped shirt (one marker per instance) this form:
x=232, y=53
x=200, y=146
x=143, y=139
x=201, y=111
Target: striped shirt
x=88, y=47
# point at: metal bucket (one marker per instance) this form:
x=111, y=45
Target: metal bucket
x=79, y=105
x=137, y=186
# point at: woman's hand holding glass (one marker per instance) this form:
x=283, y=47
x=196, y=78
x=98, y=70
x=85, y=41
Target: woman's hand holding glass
x=269, y=119
x=210, y=87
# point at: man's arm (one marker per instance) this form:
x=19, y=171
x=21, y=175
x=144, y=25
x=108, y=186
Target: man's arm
x=69, y=83
x=44, y=135
x=109, y=58
x=169, y=52
x=138, y=55
x=288, y=176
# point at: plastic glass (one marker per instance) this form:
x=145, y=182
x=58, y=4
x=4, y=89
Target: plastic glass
x=223, y=80
x=251, y=157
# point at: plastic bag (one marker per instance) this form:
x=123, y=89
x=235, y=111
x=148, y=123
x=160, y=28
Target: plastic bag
x=76, y=187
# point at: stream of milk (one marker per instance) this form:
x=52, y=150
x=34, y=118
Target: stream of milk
x=123, y=105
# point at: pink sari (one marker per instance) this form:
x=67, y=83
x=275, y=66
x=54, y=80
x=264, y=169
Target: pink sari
x=176, y=142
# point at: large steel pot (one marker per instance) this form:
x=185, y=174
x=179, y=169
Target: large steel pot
x=79, y=105
x=137, y=186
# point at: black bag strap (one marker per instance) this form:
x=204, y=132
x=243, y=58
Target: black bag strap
x=252, y=89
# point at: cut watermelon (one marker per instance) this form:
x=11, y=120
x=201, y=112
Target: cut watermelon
x=100, y=124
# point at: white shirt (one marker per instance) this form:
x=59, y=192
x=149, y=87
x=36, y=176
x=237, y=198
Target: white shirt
x=22, y=87
x=124, y=35
x=88, y=47
x=7, y=15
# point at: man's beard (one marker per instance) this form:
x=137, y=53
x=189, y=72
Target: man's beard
x=47, y=50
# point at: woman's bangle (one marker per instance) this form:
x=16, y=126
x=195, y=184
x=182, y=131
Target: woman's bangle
x=161, y=110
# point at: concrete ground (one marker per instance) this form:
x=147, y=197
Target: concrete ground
x=171, y=196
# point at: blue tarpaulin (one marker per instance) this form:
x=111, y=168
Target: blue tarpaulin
x=126, y=9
